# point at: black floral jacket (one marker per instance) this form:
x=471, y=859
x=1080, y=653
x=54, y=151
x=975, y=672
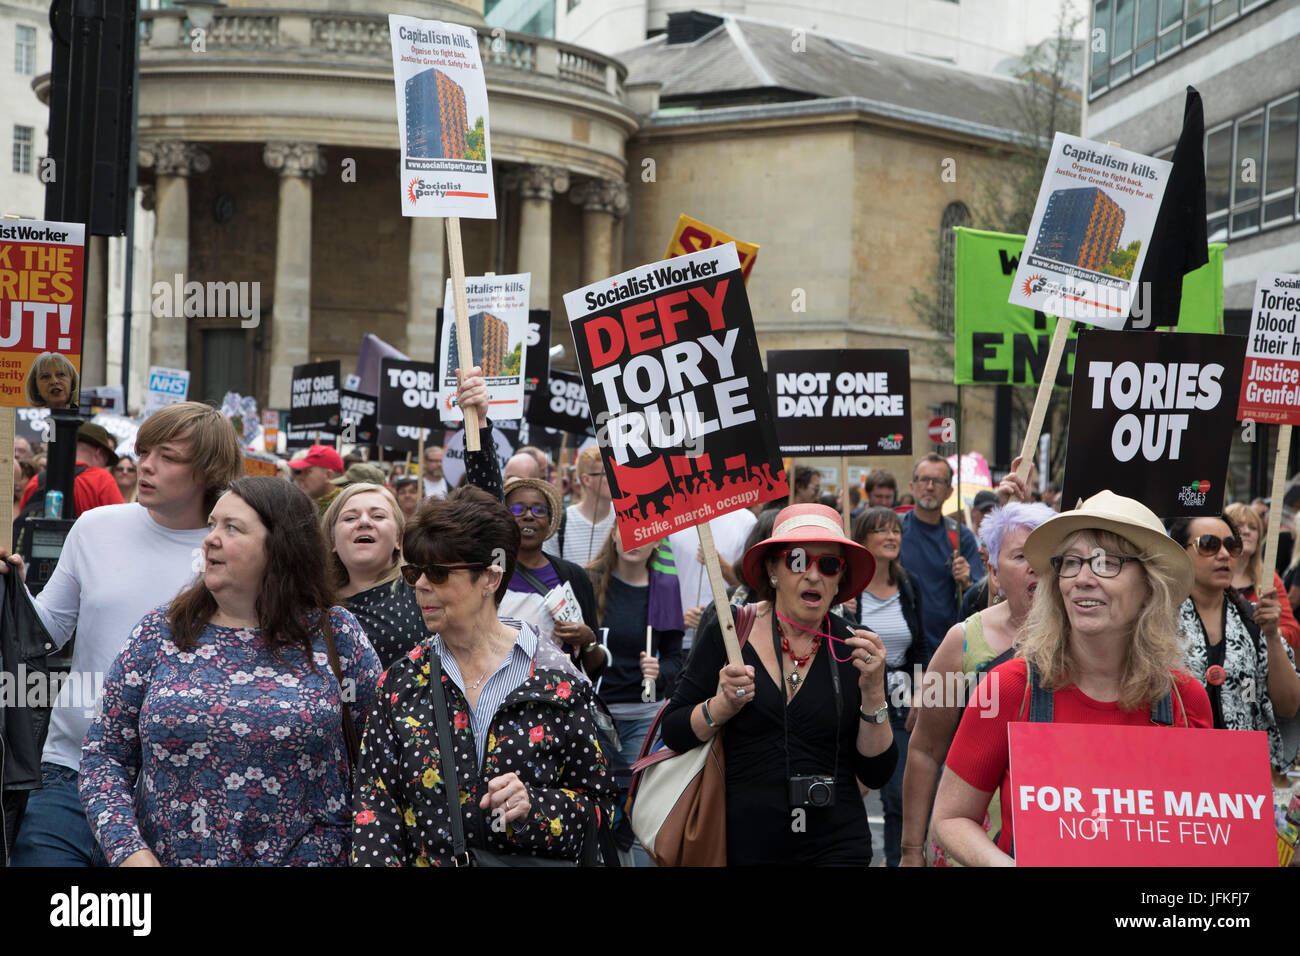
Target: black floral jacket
x=544, y=731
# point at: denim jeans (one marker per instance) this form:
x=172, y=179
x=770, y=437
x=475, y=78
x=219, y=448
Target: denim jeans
x=54, y=830
x=631, y=734
x=892, y=793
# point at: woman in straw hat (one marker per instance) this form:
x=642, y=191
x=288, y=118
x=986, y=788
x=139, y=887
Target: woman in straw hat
x=805, y=714
x=1100, y=646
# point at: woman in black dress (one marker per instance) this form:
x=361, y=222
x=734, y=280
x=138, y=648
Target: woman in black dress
x=805, y=715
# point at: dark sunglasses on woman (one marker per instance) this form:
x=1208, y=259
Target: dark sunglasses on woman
x=437, y=574
x=1209, y=545
x=796, y=560
x=537, y=511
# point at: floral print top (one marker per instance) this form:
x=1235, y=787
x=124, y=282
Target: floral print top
x=544, y=731
x=240, y=758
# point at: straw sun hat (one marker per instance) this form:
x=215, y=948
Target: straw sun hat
x=814, y=524
x=1130, y=519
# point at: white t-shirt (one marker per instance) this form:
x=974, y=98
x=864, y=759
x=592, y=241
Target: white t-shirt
x=730, y=532
x=582, y=539
x=117, y=565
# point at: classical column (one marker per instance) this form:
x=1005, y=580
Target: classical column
x=291, y=317
x=425, y=283
x=172, y=161
x=601, y=200
x=537, y=186
x=94, y=329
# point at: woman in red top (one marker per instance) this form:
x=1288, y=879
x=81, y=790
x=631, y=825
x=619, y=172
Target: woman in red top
x=1102, y=637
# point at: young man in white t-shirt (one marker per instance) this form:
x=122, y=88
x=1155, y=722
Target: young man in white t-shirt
x=118, y=563
x=586, y=524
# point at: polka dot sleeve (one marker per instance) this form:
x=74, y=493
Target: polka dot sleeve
x=482, y=470
x=379, y=835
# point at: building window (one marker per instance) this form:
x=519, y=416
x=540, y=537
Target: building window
x=956, y=214
x=1283, y=132
x=25, y=51
x=1246, y=173
x=1128, y=36
x=23, y=149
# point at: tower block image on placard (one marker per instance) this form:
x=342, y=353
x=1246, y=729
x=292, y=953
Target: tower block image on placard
x=1080, y=226
x=435, y=117
x=489, y=336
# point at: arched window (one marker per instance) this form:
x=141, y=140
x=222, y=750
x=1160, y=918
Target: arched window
x=956, y=214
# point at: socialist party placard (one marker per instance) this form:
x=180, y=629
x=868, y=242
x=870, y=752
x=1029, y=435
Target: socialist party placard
x=314, y=397
x=1092, y=795
x=562, y=405
x=1270, y=382
x=1152, y=416
x=678, y=393
x=842, y=401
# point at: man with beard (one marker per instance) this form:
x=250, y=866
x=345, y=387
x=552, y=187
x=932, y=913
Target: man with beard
x=941, y=556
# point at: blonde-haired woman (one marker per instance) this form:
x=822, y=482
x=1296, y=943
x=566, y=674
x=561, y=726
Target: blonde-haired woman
x=1100, y=646
x=51, y=382
x=1250, y=527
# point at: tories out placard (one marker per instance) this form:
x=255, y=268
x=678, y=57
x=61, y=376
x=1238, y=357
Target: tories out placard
x=442, y=119
x=498, y=334
x=1152, y=416
x=361, y=412
x=41, y=268
x=842, y=401
x=562, y=405
x=1270, y=382
x=1091, y=228
x=314, y=397
x=1094, y=795
x=678, y=393
x=408, y=393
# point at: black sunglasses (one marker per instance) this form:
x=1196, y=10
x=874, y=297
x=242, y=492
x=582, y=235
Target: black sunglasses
x=436, y=574
x=1208, y=545
x=537, y=511
x=830, y=565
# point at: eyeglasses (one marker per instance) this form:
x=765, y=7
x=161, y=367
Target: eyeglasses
x=1208, y=545
x=1103, y=565
x=829, y=565
x=537, y=511
x=125, y=470
x=937, y=482
x=436, y=574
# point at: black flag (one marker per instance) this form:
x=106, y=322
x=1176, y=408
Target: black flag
x=1179, y=241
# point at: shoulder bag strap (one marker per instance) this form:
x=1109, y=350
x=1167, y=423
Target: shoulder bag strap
x=447, y=763
x=350, y=737
x=1040, y=701
x=533, y=580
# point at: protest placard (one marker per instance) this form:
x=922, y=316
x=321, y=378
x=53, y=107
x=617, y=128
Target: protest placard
x=671, y=367
x=408, y=393
x=361, y=413
x=997, y=343
x=1089, y=234
x=691, y=235
x=314, y=397
x=1095, y=795
x=442, y=119
x=562, y=405
x=41, y=268
x=1152, y=416
x=271, y=429
x=537, y=351
x=453, y=454
x=166, y=387
x=841, y=401
x=400, y=439
x=498, y=331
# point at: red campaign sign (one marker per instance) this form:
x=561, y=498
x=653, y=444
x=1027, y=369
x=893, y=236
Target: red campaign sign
x=1270, y=379
x=677, y=393
x=1088, y=795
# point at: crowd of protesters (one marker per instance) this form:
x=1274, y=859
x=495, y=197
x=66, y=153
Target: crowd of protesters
x=299, y=670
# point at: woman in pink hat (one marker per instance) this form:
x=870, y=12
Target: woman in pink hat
x=805, y=714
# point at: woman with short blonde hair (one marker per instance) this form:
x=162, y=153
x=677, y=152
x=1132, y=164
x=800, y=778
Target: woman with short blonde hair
x=51, y=382
x=1250, y=528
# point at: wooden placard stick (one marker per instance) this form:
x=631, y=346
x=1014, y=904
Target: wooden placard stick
x=1264, y=580
x=1045, y=384
x=464, y=348
x=790, y=475
x=420, y=472
x=719, y=588
x=845, y=505
x=648, y=683
x=7, y=477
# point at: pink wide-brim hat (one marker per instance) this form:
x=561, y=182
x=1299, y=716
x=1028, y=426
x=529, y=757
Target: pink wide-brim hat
x=814, y=524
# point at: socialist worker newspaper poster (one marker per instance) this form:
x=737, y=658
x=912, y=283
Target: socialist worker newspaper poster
x=498, y=333
x=678, y=393
x=41, y=267
x=1270, y=382
x=1152, y=416
x=842, y=401
x=442, y=119
x=1090, y=232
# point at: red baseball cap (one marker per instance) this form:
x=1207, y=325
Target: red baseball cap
x=319, y=455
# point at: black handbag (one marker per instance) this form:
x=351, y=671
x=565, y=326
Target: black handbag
x=597, y=845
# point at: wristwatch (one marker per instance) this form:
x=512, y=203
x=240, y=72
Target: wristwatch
x=879, y=717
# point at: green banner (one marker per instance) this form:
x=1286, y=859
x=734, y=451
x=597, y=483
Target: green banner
x=1002, y=344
